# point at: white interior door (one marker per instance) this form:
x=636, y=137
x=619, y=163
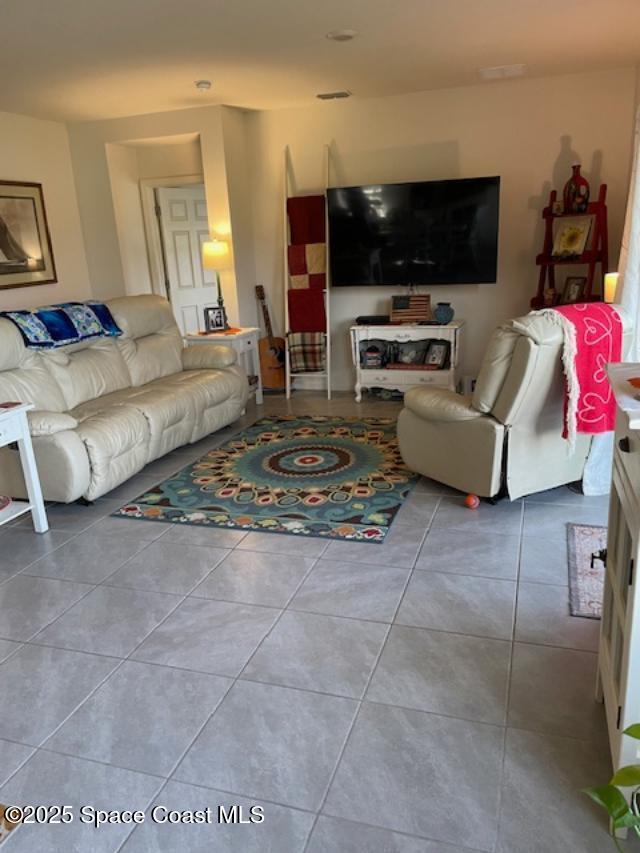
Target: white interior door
x=185, y=227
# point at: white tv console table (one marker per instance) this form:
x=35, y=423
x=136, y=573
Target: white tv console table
x=398, y=379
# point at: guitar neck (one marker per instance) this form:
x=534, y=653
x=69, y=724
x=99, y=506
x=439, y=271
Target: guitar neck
x=267, y=319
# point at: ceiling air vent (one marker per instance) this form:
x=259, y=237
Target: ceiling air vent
x=332, y=96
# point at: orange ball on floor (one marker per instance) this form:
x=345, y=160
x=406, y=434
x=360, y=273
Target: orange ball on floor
x=472, y=501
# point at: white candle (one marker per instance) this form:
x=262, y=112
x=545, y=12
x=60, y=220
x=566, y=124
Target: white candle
x=610, y=286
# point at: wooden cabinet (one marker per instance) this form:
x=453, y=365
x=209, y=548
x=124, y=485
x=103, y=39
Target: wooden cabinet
x=398, y=379
x=619, y=652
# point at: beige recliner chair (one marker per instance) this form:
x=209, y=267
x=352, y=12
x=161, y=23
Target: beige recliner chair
x=507, y=437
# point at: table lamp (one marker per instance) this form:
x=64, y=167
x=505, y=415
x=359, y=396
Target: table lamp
x=214, y=255
x=610, y=286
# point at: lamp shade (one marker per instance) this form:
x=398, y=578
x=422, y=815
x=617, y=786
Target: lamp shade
x=610, y=286
x=214, y=254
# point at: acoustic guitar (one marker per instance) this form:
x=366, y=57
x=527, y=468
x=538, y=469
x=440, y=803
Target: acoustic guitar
x=271, y=350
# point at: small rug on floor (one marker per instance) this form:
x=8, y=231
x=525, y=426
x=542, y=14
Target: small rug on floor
x=586, y=583
x=339, y=478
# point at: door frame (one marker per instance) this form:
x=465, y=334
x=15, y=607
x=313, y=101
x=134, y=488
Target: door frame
x=155, y=254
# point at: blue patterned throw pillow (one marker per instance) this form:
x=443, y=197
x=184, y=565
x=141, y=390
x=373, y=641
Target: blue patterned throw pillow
x=67, y=323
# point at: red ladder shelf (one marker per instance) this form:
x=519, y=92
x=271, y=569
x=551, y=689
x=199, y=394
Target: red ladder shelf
x=597, y=253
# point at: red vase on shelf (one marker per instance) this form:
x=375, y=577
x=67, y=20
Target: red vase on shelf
x=576, y=192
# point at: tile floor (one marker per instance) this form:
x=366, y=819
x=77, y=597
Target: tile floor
x=429, y=695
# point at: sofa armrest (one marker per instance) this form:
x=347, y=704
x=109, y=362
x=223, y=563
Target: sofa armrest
x=49, y=423
x=207, y=356
x=440, y=404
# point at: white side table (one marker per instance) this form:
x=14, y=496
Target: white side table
x=14, y=427
x=245, y=342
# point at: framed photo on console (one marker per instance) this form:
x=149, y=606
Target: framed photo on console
x=26, y=254
x=437, y=354
x=215, y=319
x=574, y=287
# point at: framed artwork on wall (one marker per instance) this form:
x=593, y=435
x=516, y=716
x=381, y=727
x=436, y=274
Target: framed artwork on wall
x=26, y=254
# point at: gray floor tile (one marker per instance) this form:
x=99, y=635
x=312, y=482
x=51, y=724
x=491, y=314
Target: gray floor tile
x=27, y=604
x=563, y=495
x=544, y=560
x=142, y=718
x=166, y=567
x=109, y=621
x=42, y=686
x=417, y=509
x=443, y=673
x=333, y=835
x=543, y=808
x=12, y=755
x=132, y=488
x=130, y=528
x=282, y=543
x=493, y=555
x=22, y=547
x=284, y=830
x=433, y=487
x=503, y=517
x=317, y=652
x=271, y=742
x=549, y=521
x=348, y=589
x=404, y=770
x=542, y=616
x=86, y=558
x=210, y=636
x=400, y=548
x=7, y=647
x=255, y=578
x=467, y=605
x=192, y=534
x=552, y=691
x=74, y=517
x=50, y=778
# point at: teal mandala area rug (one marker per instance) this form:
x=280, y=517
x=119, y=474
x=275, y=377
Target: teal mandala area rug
x=340, y=478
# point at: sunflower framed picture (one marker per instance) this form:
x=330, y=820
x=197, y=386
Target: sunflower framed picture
x=571, y=236
x=26, y=254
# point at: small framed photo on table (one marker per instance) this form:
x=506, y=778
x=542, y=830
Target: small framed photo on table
x=215, y=319
x=437, y=355
x=574, y=287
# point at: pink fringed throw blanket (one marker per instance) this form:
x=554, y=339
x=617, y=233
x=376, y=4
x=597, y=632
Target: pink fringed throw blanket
x=592, y=339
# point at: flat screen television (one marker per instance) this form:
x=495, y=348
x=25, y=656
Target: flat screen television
x=429, y=232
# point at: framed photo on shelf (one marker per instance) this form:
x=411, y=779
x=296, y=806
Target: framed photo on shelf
x=437, y=355
x=26, y=254
x=574, y=288
x=215, y=319
x=571, y=236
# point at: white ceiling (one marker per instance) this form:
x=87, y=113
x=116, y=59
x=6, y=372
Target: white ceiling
x=91, y=59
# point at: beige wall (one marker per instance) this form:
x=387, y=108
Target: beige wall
x=34, y=150
x=128, y=164
x=526, y=131
x=89, y=142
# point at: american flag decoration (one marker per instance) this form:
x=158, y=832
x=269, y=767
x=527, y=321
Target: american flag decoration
x=411, y=309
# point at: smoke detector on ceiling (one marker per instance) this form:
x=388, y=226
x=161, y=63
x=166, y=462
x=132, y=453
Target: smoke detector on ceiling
x=342, y=35
x=332, y=96
x=202, y=85
x=501, y=72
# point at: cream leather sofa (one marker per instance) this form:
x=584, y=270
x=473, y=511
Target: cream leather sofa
x=507, y=437
x=105, y=408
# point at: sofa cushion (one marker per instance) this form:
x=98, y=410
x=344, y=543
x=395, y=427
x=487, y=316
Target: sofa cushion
x=151, y=344
x=494, y=368
x=89, y=372
x=117, y=443
x=23, y=375
x=440, y=404
x=49, y=423
x=202, y=356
